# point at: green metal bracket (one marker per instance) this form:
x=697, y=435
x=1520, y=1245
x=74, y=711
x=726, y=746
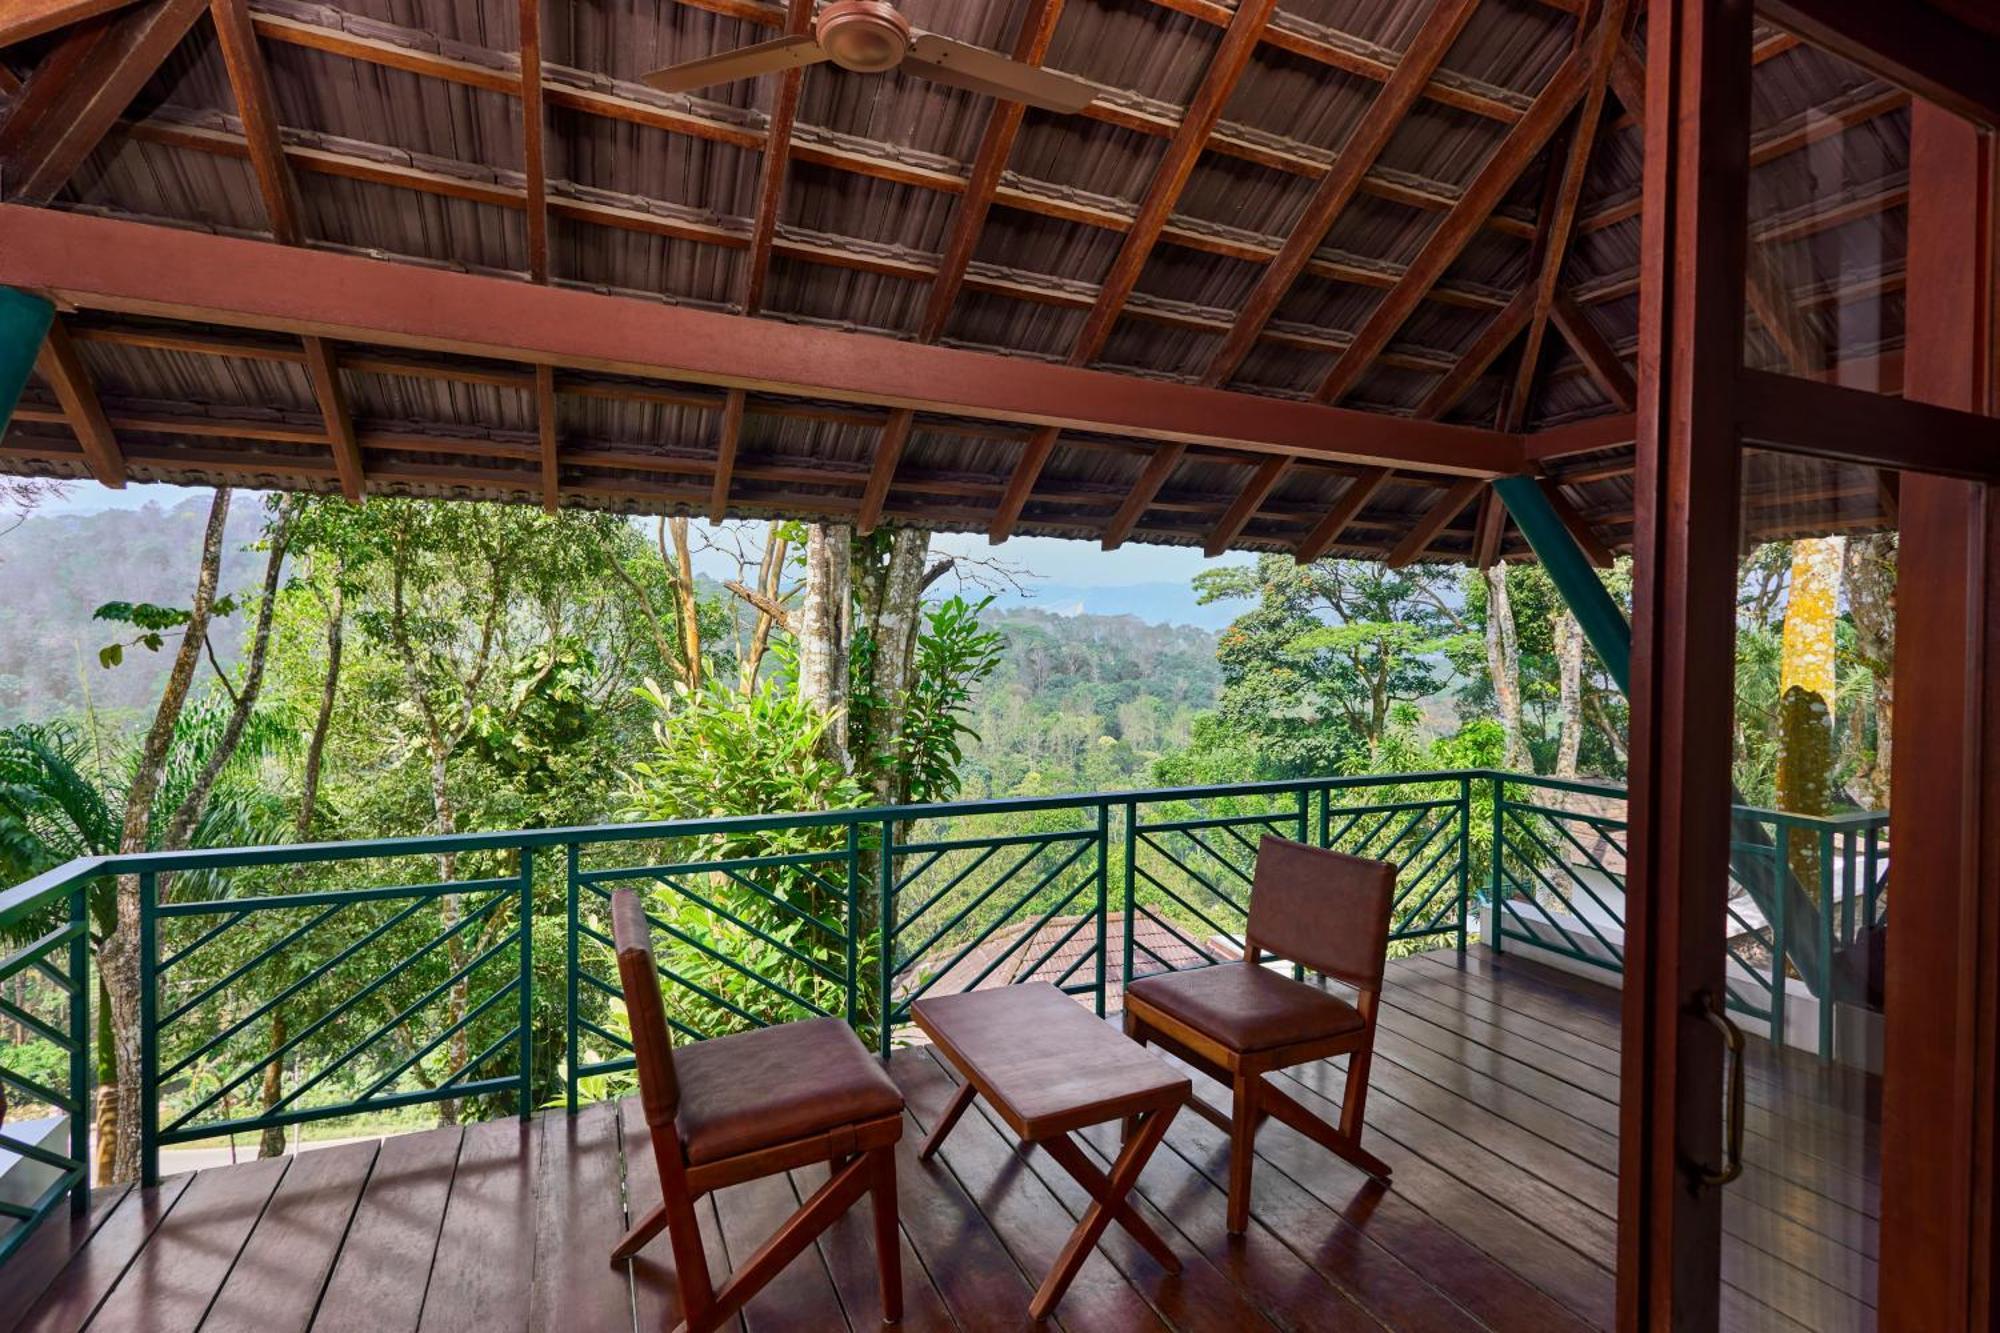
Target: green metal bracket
x=1602, y=621
x=24, y=323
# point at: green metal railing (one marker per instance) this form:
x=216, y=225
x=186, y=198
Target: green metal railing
x=1557, y=884
x=290, y=984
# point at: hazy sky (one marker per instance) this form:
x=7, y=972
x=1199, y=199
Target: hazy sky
x=1063, y=563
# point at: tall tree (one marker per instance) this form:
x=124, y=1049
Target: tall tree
x=1808, y=683
x=1870, y=575
x=1503, y=663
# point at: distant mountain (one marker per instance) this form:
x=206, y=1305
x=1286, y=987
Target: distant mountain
x=1153, y=603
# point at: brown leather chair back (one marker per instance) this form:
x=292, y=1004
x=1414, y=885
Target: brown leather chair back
x=652, y=1039
x=1324, y=909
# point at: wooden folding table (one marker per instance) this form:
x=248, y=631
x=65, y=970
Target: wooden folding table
x=1050, y=1067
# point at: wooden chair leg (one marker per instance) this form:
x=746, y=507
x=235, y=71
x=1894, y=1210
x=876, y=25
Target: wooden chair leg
x=1356, y=1097
x=1340, y=1145
x=641, y=1234
x=888, y=1235
x=819, y=1212
x=1243, y=1118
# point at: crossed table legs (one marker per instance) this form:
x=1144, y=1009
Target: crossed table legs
x=1110, y=1196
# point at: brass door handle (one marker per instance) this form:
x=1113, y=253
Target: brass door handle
x=1716, y=1011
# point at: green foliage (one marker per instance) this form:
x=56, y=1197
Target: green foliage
x=955, y=655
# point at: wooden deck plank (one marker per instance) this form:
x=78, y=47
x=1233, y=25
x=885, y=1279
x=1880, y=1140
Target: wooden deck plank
x=484, y=1271
x=70, y=1300
x=1030, y=1221
x=579, y=1218
x=42, y=1259
x=655, y=1288
x=384, y=1269
x=277, y=1282
x=173, y=1279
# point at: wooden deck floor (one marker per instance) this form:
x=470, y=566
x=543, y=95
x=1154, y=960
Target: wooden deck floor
x=1494, y=1099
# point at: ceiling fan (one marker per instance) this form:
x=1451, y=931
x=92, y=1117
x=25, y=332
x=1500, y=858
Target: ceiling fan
x=870, y=37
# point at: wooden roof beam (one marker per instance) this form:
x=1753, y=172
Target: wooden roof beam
x=1170, y=174
x=996, y=144
x=777, y=151
x=1495, y=338
x=1453, y=234
x=1336, y=189
x=1140, y=498
x=1492, y=529
x=1919, y=47
x=1599, y=358
x=80, y=89
x=251, y=83
x=882, y=473
x=1246, y=504
x=534, y=159
x=1559, y=209
x=545, y=424
x=63, y=368
x=114, y=265
x=1021, y=483
x=31, y=18
x=725, y=455
x=323, y=368
x=1433, y=522
x=1345, y=510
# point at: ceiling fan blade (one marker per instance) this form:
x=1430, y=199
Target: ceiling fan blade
x=978, y=70
x=745, y=62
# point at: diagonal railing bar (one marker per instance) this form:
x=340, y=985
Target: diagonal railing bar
x=1549, y=853
x=1617, y=954
x=1583, y=849
x=1075, y=854
x=686, y=983
x=437, y=992
x=47, y=1031
x=812, y=964
x=296, y=1039
x=964, y=873
x=1152, y=840
x=691, y=942
x=1236, y=831
x=465, y=1021
x=1191, y=909
x=28, y=954
x=778, y=901
x=1020, y=943
x=213, y=933
x=1173, y=929
x=456, y=1080
x=1042, y=960
x=257, y=960
x=1006, y=839
x=35, y=1089
x=35, y=1153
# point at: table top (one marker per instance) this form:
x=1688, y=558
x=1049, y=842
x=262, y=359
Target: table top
x=1046, y=1063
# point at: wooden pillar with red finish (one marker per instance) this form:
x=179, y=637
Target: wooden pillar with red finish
x=1695, y=240
x=1940, y=1101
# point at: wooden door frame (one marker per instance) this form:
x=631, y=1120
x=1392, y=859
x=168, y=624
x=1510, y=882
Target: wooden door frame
x=1692, y=266
x=1942, y=1021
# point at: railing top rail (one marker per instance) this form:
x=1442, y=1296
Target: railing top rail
x=30, y=895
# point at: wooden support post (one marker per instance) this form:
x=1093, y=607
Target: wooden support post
x=1696, y=184
x=1158, y=468
x=324, y=370
x=777, y=160
x=888, y=453
x=1021, y=484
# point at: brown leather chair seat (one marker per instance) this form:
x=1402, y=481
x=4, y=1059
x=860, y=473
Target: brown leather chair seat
x=772, y=1085
x=1249, y=1008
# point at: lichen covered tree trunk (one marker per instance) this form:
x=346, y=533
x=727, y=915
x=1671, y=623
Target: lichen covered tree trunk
x=826, y=628
x=1807, y=683
x=1503, y=661
x=1871, y=600
x=1569, y=666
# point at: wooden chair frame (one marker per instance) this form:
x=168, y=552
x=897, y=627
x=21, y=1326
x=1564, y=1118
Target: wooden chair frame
x=862, y=1155
x=1253, y=1097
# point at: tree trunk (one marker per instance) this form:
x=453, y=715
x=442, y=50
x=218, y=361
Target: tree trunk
x=118, y=954
x=891, y=587
x=1871, y=598
x=273, y=1142
x=680, y=569
x=770, y=582
x=1569, y=661
x=826, y=628
x=316, y=747
x=1503, y=662
x=1806, y=685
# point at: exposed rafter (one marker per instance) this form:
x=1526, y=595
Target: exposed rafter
x=1246, y=504
x=1559, y=208
x=1364, y=145
x=534, y=159
x=1492, y=529
x=1021, y=483
x=1919, y=47
x=1153, y=476
x=545, y=426
x=1170, y=174
x=882, y=472
x=725, y=455
x=251, y=83
x=1495, y=338
x=60, y=365
x=23, y=19
x=78, y=92
x=1338, y=519
x=1452, y=235
x=777, y=158
x=323, y=368
x=1433, y=521
x=1599, y=358
x=996, y=143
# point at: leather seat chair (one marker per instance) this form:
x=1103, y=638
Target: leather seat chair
x=1237, y=1022
x=756, y=1104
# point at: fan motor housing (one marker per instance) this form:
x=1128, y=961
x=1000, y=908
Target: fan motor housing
x=866, y=36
